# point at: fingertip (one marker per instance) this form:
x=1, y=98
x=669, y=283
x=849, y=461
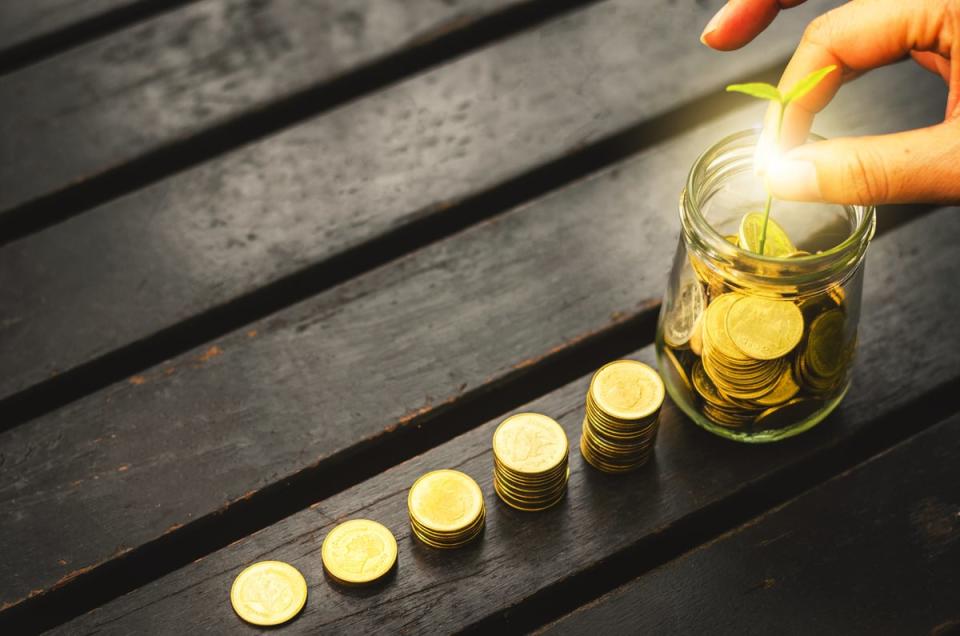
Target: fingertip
x=737, y=23
x=707, y=35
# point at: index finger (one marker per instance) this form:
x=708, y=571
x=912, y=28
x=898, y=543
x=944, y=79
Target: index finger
x=739, y=21
x=857, y=36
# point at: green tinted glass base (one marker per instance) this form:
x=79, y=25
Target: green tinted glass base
x=682, y=397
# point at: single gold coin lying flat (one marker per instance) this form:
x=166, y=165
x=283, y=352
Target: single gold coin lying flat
x=777, y=242
x=763, y=328
x=359, y=551
x=530, y=443
x=268, y=593
x=445, y=501
x=627, y=389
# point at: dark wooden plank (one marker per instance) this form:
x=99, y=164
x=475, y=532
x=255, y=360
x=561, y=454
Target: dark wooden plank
x=81, y=113
x=22, y=21
x=602, y=517
x=348, y=368
x=873, y=551
x=205, y=238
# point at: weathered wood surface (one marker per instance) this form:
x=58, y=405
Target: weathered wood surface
x=78, y=114
x=24, y=20
x=201, y=239
x=521, y=554
x=873, y=551
x=286, y=394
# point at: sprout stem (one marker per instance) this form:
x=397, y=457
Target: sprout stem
x=766, y=208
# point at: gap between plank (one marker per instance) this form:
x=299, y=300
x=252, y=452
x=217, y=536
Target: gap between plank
x=182, y=154
x=713, y=522
x=260, y=509
x=267, y=506
x=79, y=33
x=429, y=226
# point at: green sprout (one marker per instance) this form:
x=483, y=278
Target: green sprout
x=769, y=92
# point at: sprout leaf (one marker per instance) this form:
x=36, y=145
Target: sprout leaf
x=757, y=89
x=807, y=84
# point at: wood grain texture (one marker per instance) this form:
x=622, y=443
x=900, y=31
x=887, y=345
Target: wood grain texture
x=24, y=20
x=348, y=367
x=75, y=115
x=873, y=551
x=521, y=554
x=203, y=238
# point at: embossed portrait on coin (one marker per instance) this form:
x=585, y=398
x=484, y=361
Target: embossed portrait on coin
x=360, y=549
x=268, y=595
x=447, y=501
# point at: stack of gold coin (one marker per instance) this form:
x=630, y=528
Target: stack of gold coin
x=744, y=368
x=446, y=509
x=622, y=416
x=750, y=361
x=358, y=551
x=822, y=363
x=530, y=454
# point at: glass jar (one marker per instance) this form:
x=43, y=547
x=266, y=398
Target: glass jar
x=752, y=347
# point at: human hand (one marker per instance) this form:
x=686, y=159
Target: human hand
x=916, y=165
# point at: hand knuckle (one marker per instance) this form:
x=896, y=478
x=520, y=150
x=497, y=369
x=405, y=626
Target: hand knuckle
x=819, y=29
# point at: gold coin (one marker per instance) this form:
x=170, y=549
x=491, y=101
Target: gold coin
x=785, y=388
x=627, y=390
x=715, y=330
x=683, y=312
x=696, y=337
x=530, y=443
x=268, y=593
x=359, y=551
x=445, y=501
x=763, y=328
x=825, y=350
x=777, y=242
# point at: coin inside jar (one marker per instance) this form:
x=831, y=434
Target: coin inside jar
x=764, y=328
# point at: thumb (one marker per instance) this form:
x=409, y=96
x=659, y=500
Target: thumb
x=914, y=166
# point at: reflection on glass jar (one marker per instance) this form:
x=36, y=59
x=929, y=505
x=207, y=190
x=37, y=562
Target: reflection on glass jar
x=755, y=347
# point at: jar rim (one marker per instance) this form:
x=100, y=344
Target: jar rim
x=847, y=253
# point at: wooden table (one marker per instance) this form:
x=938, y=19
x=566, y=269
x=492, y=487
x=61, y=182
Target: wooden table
x=264, y=263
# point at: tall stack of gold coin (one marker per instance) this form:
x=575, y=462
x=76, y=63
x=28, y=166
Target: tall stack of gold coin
x=744, y=369
x=446, y=509
x=622, y=416
x=530, y=453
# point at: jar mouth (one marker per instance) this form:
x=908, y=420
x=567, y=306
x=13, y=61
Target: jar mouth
x=824, y=266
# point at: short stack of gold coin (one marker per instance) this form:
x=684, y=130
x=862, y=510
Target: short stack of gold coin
x=822, y=363
x=531, y=467
x=446, y=509
x=622, y=416
x=744, y=369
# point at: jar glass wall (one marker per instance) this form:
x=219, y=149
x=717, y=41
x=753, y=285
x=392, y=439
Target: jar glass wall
x=755, y=347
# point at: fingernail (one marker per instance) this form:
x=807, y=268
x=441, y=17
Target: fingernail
x=712, y=24
x=794, y=179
